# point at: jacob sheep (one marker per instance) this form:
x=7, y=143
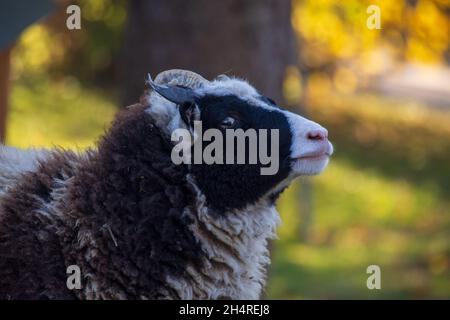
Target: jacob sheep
x=139, y=226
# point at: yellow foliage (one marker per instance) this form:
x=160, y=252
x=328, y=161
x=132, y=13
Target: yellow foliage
x=292, y=86
x=345, y=80
x=332, y=30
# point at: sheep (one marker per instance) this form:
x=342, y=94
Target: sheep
x=138, y=225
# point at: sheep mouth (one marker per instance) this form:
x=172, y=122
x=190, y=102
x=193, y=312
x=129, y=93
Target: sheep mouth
x=321, y=153
x=313, y=156
x=309, y=164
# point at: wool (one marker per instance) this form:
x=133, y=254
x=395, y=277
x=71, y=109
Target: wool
x=67, y=210
x=135, y=224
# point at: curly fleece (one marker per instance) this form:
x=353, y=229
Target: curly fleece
x=116, y=212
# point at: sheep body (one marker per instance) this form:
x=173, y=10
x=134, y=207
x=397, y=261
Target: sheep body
x=132, y=221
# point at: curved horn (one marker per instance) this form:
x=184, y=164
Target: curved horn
x=173, y=93
x=181, y=77
x=222, y=77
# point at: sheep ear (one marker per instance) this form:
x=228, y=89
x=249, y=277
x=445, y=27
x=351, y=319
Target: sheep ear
x=189, y=112
x=176, y=94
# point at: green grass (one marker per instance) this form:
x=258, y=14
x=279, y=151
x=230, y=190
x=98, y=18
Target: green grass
x=375, y=204
x=44, y=113
x=362, y=218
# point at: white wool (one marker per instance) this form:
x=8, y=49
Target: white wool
x=236, y=247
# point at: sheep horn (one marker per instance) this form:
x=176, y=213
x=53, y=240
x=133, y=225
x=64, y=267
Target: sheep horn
x=173, y=93
x=181, y=77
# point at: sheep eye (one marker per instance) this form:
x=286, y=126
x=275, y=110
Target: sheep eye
x=228, y=122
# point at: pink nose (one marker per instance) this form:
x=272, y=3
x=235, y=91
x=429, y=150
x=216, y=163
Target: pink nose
x=318, y=134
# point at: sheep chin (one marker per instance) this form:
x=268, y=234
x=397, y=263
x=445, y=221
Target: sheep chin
x=309, y=166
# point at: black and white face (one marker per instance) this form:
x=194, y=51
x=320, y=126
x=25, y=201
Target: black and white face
x=302, y=146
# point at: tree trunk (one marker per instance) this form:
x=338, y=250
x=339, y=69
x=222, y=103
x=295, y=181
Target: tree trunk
x=252, y=39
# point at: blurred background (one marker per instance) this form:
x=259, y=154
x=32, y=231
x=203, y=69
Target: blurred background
x=384, y=95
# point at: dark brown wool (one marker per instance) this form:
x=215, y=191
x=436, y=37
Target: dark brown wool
x=119, y=219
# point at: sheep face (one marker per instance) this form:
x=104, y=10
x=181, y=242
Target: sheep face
x=294, y=146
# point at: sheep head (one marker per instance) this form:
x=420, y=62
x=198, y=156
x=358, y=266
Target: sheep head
x=184, y=100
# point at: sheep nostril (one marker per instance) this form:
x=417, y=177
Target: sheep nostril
x=317, y=135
